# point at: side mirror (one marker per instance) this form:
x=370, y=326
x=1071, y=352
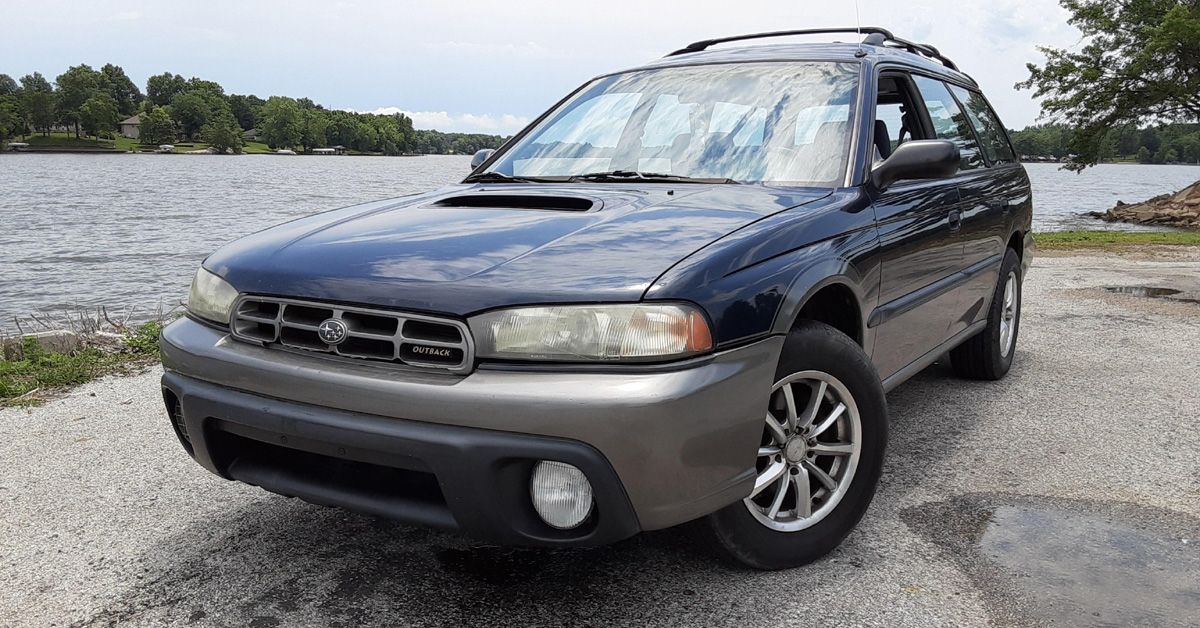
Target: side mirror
x=480, y=157
x=920, y=159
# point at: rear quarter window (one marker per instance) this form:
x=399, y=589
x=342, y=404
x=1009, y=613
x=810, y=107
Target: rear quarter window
x=987, y=126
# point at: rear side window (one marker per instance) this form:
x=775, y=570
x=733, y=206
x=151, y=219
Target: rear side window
x=949, y=122
x=987, y=125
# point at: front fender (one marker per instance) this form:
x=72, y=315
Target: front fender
x=764, y=298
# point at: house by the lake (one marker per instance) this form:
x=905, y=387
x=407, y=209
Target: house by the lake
x=130, y=127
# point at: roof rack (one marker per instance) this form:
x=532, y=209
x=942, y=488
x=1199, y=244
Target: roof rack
x=876, y=36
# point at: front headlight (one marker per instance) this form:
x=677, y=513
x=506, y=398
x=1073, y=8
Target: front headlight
x=588, y=333
x=211, y=297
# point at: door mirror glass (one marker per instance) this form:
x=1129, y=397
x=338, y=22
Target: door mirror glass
x=479, y=157
x=919, y=159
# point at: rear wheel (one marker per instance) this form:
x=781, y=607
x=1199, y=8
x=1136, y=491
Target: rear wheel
x=819, y=457
x=988, y=355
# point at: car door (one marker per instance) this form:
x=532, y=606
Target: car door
x=990, y=197
x=921, y=252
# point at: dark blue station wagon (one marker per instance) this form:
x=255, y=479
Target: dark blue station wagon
x=679, y=296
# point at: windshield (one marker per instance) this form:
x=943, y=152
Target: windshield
x=749, y=122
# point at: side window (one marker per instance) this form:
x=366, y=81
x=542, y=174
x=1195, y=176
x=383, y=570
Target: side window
x=893, y=121
x=949, y=122
x=987, y=126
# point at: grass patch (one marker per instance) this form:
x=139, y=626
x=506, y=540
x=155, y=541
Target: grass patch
x=68, y=140
x=1114, y=239
x=28, y=372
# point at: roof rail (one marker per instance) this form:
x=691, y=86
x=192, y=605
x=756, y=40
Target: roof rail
x=876, y=36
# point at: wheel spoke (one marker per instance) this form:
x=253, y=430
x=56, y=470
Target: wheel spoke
x=829, y=420
x=778, y=501
x=776, y=430
x=832, y=449
x=814, y=405
x=821, y=476
x=789, y=398
x=773, y=472
x=768, y=450
x=803, y=493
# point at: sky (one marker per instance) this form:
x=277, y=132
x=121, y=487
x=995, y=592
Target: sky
x=489, y=67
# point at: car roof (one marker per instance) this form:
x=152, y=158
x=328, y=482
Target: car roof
x=834, y=51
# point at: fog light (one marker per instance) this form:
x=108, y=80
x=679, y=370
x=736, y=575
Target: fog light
x=561, y=494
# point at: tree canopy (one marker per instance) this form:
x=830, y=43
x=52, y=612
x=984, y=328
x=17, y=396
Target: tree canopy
x=95, y=100
x=157, y=127
x=37, y=101
x=75, y=87
x=1139, y=65
x=1166, y=143
x=123, y=90
x=99, y=113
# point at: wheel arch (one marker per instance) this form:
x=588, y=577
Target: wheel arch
x=1016, y=242
x=830, y=292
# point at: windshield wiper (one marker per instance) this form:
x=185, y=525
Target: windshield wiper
x=499, y=177
x=649, y=177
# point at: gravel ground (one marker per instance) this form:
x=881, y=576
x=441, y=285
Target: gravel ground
x=107, y=521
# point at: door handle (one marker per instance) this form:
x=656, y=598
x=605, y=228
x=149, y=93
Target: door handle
x=955, y=217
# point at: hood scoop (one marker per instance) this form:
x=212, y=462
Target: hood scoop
x=544, y=202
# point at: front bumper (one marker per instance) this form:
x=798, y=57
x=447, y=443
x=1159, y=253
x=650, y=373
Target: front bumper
x=660, y=446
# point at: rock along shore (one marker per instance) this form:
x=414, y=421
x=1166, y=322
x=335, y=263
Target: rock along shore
x=1181, y=209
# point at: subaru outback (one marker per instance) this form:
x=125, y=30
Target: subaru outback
x=678, y=296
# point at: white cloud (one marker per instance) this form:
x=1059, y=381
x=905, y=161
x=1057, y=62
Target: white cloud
x=499, y=124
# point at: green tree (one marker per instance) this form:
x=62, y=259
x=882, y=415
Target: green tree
x=1144, y=155
x=37, y=101
x=8, y=87
x=280, y=124
x=123, y=91
x=75, y=87
x=99, y=113
x=1140, y=62
x=223, y=134
x=365, y=137
x=157, y=127
x=246, y=109
x=190, y=110
x=313, y=125
x=161, y=88
x=12, y=123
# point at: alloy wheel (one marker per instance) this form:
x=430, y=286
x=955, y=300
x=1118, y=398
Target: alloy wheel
x=1008, y=314
x=808, y=454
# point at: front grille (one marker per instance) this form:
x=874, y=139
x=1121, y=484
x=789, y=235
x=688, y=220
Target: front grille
x=413, y=339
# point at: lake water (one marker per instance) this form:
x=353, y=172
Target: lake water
x=128, y=230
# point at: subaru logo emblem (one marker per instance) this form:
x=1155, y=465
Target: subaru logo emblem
x=332, y=331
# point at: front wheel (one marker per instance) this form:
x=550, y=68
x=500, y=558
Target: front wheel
x=819, y=457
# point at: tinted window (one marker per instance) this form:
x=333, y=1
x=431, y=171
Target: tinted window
x=949, y=123
x=987, y=126
x=893, y=117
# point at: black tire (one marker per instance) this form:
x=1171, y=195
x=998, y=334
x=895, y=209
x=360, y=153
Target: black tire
x=813, y=346
x=982, y=356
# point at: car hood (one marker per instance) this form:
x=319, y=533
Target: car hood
x=464, y=249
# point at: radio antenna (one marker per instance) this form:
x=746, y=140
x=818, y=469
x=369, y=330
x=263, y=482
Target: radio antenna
x=858, y=30
x=857, y=20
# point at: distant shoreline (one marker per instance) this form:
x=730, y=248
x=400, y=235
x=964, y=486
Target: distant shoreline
x=117, y=151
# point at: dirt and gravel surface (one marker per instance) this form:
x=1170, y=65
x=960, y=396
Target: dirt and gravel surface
x=1051, y=497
